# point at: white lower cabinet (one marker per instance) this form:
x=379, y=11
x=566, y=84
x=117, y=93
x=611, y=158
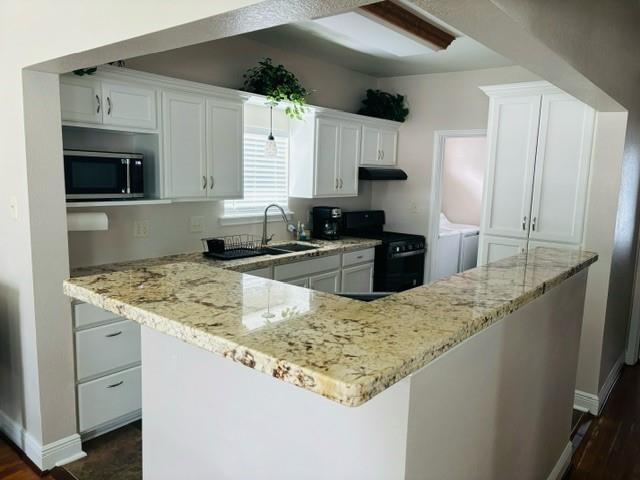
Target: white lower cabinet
x=106, y=398
x=494, y=248
x=266, y=272
x=358, y=279
x=536, y=243
x=325, y=282
x=107, y=352
x=299, y=282
x=107, y=348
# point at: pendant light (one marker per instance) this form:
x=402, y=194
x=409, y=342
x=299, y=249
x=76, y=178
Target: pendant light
x=270, y=147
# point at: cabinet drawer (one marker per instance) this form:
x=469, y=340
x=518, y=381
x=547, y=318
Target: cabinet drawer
x=102, y=349
x=108, y=398
x=85, y=315
x=360, y=256
x=306, y=267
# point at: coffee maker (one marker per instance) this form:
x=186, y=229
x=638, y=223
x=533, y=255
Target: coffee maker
x=326, y=222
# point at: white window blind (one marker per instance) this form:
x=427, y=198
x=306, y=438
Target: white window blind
x=265, y=178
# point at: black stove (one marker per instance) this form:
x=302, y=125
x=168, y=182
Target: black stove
x=399, y=261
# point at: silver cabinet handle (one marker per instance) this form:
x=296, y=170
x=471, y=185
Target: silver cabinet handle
x=382, y=152
x=119, y=332
x=524, y=223
x=108, y=106
x=533, y=223
x=116, y=384
x=340, y=183
x=336, y=183
x=98, y=103
x=204, y=182
x=211, y=182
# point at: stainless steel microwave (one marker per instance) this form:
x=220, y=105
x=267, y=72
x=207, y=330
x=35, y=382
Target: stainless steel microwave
x=103, y=175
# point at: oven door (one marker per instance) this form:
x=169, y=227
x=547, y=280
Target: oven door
x=398, y=272
x=96, y=175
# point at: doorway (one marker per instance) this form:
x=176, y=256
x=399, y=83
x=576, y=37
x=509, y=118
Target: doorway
x=459, y=163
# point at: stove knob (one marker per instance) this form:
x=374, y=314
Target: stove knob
x=397, y=249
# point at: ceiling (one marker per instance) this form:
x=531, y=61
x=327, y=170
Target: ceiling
x=316, y=39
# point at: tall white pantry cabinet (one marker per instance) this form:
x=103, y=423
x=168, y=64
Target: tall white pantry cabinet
x=539, y=143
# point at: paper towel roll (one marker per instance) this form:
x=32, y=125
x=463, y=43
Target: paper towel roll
x=86, y=222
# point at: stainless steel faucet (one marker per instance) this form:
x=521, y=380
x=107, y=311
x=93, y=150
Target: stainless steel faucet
x=290, y=226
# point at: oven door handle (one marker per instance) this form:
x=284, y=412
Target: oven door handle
x=408, y=254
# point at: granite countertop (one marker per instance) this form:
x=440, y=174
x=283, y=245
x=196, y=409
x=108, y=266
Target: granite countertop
x=343, y=349
x=325, y=247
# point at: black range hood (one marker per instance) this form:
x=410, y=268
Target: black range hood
x=379, y=173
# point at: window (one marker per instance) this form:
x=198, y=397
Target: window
x=265, y=178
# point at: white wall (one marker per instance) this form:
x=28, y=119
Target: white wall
x=464, y=164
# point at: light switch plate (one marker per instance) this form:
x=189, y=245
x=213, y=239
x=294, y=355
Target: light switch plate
x=141, y=228
x=196, y=225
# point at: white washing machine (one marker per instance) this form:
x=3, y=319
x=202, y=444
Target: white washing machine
x=457, y=247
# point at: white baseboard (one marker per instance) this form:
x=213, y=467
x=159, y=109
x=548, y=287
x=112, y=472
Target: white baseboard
x=45, y=457
x=562, y=464
x=588, y=402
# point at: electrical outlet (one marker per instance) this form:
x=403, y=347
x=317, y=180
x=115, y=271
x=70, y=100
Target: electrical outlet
x=141, y=228
x=197, y=225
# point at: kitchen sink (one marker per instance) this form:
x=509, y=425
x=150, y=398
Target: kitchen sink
x=292, y=247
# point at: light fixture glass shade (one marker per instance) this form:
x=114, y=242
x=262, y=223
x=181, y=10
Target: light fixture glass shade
x=270, y=147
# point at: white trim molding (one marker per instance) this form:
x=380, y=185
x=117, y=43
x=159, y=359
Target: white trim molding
x=561, y=466
x=588, y=402
x=45, y=457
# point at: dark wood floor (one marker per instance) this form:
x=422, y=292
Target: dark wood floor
x=610, y=448
x=13, y=465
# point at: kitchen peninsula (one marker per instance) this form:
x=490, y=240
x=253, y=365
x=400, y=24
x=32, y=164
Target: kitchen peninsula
x=468, y=377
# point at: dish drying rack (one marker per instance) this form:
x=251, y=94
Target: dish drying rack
x=232, y=247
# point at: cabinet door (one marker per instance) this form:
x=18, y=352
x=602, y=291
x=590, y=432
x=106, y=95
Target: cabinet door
x=562, y=169
x=349, y=153
x=129, y=105
x=388, y=140
x=370, y=146
x=512, y=137
x=358, y=279
x=184, y=145
x=496, y=248
x=326, y=161
x=224, y=149
x=299, y=282
x=325, y=282
x=81, y=100
x=533, y=244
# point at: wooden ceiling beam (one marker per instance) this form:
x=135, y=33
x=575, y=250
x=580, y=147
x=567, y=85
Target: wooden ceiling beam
x=404, y=19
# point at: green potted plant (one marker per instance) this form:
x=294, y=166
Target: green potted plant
x=277, y=84
x=385, y=105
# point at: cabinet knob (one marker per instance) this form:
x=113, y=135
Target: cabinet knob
x=115, y=384
x=204, y=182
x=108, y=106
x=524, y=222
x=119, y=332
x=533, y=223
x=98, y=103
x=336, y=183
x=211, y=182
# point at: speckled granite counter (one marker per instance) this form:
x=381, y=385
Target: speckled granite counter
x=345, y=350
x=326, y=247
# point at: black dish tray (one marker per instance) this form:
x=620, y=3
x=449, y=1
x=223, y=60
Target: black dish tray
x=234, y=254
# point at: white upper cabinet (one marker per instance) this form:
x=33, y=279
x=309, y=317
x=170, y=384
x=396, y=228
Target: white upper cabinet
x=129, y=105
x=326, y=164
x=379, y=146
x=184, y=145
x=511, y=136
x=97, y=101
x=325, y=153
x=224, y=149
x=81, y=99
x=562, y=169
x=348, y=156
x=202, y=146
